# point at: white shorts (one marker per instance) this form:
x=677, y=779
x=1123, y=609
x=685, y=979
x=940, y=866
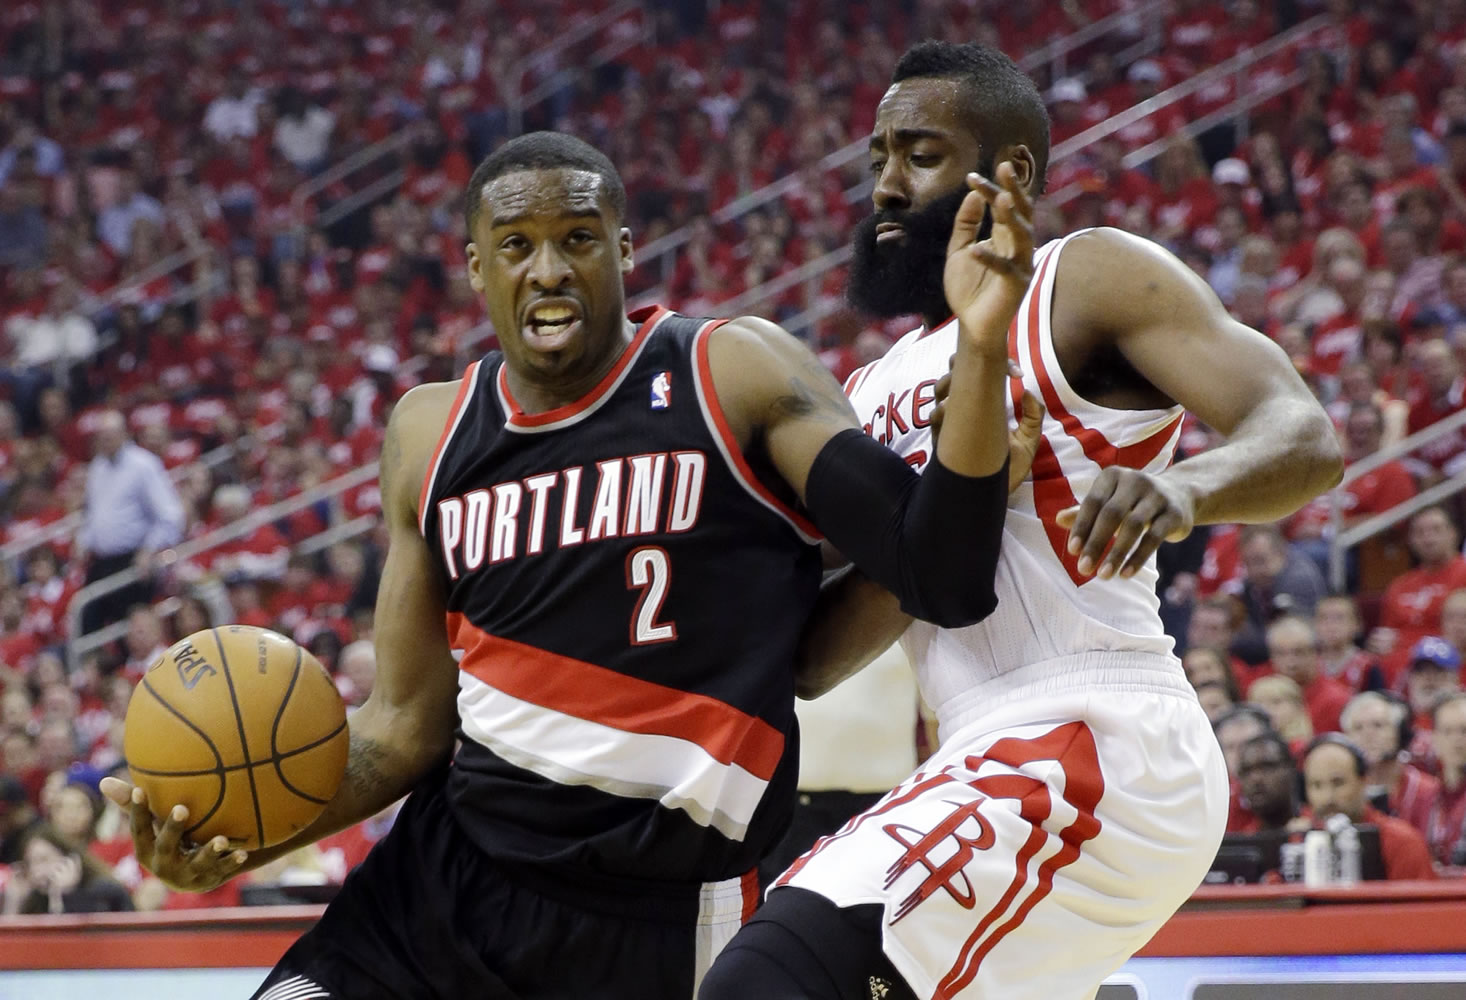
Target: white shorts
x=1031, y=859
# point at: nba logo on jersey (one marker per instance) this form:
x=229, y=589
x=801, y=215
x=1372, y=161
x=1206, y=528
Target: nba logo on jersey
x=662, y=391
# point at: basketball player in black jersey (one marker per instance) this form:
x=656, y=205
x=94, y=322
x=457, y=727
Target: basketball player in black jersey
x=602, y=556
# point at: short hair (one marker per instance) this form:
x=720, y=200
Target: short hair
x=544, y=151
x=1293, y=621
x=1237, y=712
x=1268, y=531
x=1449, y=698
x=1271, y=739
x=1006, y=104
x=1398, y=711
x=1361, y=765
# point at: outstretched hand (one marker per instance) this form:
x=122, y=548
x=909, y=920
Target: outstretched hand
x=162, y=850
x=985, y=281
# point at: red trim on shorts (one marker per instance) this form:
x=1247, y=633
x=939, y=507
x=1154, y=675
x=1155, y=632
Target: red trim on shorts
x=749, y=886
x=519, y=418
x=735, y=451
x=448, y=426
x=1072, y=747
x=629, y=704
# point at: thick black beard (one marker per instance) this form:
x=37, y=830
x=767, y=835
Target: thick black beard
x=905, y=277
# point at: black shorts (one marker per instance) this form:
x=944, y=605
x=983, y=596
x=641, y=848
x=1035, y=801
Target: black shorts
x=428, y=915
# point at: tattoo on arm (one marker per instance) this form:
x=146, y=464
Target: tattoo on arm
x=365, y=762
x=812, y=391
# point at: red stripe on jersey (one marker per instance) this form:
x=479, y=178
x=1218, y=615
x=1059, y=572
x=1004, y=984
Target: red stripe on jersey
x=856, y=377
x=1072, y=746
x=735, y=450
x=1097, y=447
x=1052, y=491
x=458, y=401
x=519, y=418
x=596, y=694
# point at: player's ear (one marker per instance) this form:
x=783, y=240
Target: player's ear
x=1022, y=159
x=475, y=277
x=627, y=261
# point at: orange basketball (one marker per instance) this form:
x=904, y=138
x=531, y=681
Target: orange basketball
x=244, y=728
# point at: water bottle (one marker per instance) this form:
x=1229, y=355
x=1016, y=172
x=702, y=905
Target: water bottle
x=1318, y=859
x=1290, y=859
x=1347, y=842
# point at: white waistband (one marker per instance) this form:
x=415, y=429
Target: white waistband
x=1110, y=671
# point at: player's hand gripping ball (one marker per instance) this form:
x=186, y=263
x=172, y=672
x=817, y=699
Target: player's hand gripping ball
x=244, y=729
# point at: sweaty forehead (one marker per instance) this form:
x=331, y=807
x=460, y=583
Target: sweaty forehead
x=545, y=193
x=926, y=103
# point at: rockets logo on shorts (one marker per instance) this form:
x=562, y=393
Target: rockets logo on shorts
x=662, y=391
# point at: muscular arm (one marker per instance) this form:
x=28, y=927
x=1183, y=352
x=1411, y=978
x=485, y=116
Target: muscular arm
x=406, y=726
x=1281, y=450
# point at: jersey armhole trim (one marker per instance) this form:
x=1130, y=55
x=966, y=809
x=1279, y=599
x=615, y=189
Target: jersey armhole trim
x=712, y=411
x=455, y=416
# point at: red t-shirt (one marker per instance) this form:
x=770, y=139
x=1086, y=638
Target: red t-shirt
x=1446, y=818
x=1326, y=698
x=1402, y=847
x=1372, y=493
x=1412, y=607
x=1413, y=797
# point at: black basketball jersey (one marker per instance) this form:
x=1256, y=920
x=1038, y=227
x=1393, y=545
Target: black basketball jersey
x=626, y=593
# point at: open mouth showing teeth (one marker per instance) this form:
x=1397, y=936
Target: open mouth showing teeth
x=551, y=318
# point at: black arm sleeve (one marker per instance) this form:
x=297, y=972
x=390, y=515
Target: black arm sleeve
x=930, y=539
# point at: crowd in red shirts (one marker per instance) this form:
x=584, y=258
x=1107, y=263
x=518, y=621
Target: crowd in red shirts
x=266, y=361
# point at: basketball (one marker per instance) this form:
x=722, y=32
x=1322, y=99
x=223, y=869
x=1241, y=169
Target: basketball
x=244, y=728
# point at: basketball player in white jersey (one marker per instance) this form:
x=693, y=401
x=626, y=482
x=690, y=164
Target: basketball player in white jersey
x=1078, y=795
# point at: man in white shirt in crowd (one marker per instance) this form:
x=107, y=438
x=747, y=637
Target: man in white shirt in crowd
x=132, y=511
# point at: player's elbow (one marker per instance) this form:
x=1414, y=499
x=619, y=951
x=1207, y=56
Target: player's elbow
x=1325, y=453
x=958, y=608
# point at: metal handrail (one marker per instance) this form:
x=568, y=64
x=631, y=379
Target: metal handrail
x=518, y=99
x=361, y=158
x=1055, y=51
x=1185, y=89
x=1343, y=539
x=781, y=283
x=78, y=643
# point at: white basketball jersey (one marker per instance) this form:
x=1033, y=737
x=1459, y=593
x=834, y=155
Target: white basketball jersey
x=1054, y=630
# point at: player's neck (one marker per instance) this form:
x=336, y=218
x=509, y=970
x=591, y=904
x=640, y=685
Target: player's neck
x=538, y=393
x=936, y=315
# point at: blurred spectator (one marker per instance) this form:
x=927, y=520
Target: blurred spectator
x=1209, y=665
x=144, y=642
x=18, y=816
x=232, y=113
x=1336, y=622
x=1440, y=393
x=131, y=206
x=54, y=876
x=1379, y=724
x=1293, y=649
x=259, y=555
x=132, y=511
x=1433, y=672
x=1282, y=699
x=1233, y=729
x=1279, y=581
x=1446, y=829
x=1411, y=609
x=75, y=808
x=1333, y=780
x=356, y=671
x=1215, y=700
x=303, y=131
x=1268, y=775
x=23, y=230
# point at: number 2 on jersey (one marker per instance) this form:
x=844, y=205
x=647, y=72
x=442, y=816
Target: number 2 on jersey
x=649, y=570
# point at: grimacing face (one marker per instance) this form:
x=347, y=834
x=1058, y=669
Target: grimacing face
x=548, y=257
